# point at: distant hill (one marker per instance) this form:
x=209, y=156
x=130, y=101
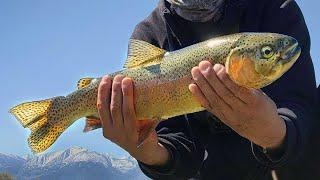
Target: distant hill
x=74, y=163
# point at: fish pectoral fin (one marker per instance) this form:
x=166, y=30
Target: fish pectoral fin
x=145, y=128
x=92, y=123
x=141, y=53
x=84, y=82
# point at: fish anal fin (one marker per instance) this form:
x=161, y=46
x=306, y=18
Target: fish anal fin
x=92, y=123
x=145, y=129
x=141, y=53
x=84, y=82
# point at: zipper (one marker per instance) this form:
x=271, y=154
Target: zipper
x=166, y=12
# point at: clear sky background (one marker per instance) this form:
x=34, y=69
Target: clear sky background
x=46, y=46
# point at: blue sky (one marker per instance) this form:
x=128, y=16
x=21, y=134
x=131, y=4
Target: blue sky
x=46, y=46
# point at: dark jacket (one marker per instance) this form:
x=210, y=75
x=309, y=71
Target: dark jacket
x=307, y=167
x=199, y=144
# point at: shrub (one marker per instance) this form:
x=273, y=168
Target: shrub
x=6, y=176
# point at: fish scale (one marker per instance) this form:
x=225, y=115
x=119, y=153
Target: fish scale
x=161, y=81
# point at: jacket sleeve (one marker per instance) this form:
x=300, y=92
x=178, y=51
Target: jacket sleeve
x=176, y=134
x=295, y=92
x=186, y=150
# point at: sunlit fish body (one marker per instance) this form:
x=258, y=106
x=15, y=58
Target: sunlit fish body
x=161, y=79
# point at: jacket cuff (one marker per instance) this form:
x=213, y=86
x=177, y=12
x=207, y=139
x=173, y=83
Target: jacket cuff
x=278, y=157
x=162, y=171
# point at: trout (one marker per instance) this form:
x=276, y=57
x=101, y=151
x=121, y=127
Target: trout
x=161, y=79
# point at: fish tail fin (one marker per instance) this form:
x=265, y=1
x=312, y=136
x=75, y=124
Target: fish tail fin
x=31, y=112
x=41, y=139
x=42, y=118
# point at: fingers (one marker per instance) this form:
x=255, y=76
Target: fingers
x=103, y=101
x=116, y=102
x=128, y=110
x=223, y=92
x=194, y=89
x=244, y=94
x=214, y=100
x=115, y=105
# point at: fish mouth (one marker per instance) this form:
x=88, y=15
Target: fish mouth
x=286, y=61
x=292, y=53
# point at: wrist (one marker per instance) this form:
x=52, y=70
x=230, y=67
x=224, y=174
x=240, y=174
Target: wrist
x=270, y=136
x=282, y=131
x=153, y=155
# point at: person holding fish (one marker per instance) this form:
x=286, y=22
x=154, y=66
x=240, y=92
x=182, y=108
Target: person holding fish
x=244, y=132
x=211, y=89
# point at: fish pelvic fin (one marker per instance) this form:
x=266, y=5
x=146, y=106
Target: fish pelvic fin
x=141, y=53
x=92, y=123
x=44, y=121
x=145, y=128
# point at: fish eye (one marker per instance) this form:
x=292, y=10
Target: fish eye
x=267, y=52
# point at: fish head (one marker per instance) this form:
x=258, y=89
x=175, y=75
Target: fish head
x=258, y=59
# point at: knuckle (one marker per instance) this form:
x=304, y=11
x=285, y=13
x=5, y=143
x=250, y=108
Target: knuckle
x=116, y=87
x=126, y=90
x=215, y=101
x=242, y=90
x=100, y=105
x=234, y=88
x=115, y=108
x=114, y=105
x=127, y=112
x=225, y=94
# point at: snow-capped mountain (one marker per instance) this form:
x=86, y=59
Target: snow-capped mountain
x=73, y=163
x=11, y=163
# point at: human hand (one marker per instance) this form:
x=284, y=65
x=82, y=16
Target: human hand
x=249, y=112
x=115, y=105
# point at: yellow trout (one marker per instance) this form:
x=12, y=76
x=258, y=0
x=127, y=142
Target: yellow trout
x=161, y=79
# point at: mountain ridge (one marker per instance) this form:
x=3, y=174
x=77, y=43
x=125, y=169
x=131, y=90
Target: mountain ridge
x=72, y=163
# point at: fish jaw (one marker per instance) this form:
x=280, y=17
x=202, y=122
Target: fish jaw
x=288, y=59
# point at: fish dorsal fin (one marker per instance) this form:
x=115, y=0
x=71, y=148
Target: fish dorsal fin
x=84, y=82
x=141, y=53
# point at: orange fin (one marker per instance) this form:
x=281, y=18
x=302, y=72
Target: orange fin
x=92, y=123
x=145, y=128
